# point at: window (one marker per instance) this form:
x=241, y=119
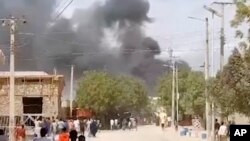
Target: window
x=32, y=80
x=32, y=105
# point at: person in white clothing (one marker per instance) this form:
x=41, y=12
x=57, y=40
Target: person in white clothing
x=77, y=125
x=43, y=137
x=88, y=127
x=169, y=121
x=60, y=125
x=111, y=124
x=223, y=132
x=37, y=127
x=116, y=123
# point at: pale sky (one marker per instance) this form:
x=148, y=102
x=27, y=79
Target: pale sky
x=172, y=28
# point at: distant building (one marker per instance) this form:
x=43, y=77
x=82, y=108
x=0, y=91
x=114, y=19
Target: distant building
x=153, y=99
x=37, y=94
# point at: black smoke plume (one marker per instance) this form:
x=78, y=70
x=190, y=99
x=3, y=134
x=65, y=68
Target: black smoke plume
x=44, y=44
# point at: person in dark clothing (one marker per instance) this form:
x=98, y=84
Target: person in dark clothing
x=228, y=128
x=216, y=127
x=48, y=126
x=93, y=128
x=81, y=138
x=43, y=132
x=73, y=135
x=82, y=126
x=2, y=136
x=124, y=124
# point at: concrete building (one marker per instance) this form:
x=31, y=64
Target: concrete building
x=37, y=94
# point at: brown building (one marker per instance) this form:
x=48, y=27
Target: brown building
x=36, y=94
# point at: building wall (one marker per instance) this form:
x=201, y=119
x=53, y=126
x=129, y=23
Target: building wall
x=46, y=89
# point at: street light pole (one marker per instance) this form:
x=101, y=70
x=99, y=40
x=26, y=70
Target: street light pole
x=207, y=107
x=222, y=38
x=212, y=108
x=207, y=110
x=214, y=12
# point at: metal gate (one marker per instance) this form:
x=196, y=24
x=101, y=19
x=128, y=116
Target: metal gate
x=29, y=120
x=4, y=122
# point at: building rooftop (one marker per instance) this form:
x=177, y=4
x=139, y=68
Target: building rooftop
x=23, y=73
x=27, y=74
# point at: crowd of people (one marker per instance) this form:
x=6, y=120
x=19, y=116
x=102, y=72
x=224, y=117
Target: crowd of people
x=57, y=130
x=55, y=127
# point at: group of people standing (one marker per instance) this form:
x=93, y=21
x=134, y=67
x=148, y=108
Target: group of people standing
x=222, y=131
x=126, y=123
x=48, y=129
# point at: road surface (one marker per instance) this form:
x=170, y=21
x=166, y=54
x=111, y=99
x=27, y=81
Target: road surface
x=144, y=133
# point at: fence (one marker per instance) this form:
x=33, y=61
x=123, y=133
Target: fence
x=26, y=119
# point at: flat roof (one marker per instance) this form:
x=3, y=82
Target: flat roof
x=30, y=74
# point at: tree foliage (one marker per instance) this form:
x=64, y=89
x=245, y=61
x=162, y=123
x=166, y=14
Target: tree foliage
x=108, y=94
x=231, y=89
x=191, y=90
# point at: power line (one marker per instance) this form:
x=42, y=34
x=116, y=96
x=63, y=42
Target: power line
x=60, y=4
x=84, y=44
x=129, y=51
x=63, y=10
x=95, y=54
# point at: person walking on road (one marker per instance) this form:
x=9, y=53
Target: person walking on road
x=77, y=125
x=73, y=135
x=223, y=132
x=216, y=127
x=93, y=128
x=64, y=135
x=88, y=127
x=169, y=121
x=111, y=124
x=20, y=133
x=116, y=124
x=43, y=133
x=2, y=136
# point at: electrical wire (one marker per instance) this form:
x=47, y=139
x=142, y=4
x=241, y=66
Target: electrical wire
x=84, y=44
x=97, y=54
x=63, y=10
x=57, y=7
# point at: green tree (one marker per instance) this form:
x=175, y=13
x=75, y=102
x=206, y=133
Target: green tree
x=230, y=89
x=192, y=101
x=110, y=95
x=97, y=91
x=134, y=97
x=191, y=89
x=165, y=91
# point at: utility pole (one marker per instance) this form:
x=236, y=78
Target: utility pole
x=177, y=96
x=214, y=12
x=206, y=70
x=222, y=38
x=173, y=87
x=71, y=89
x=12, y=22
x=207, y=110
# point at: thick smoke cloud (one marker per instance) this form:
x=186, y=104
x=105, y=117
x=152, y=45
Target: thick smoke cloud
x=79, y=40
x=126, y=10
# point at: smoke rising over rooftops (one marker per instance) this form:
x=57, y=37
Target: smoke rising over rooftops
x=83, y=39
